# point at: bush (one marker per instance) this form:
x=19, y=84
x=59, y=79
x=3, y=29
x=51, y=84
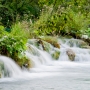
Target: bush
x=63, y=21
x=20, y=29
x=12, y=47
x=2, y=31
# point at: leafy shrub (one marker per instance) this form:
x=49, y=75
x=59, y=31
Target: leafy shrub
x=63, y=21
x=87, y=32
x=2, y=31
x=20, y=29
x=13, y=47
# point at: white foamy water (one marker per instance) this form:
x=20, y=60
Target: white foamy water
x=10, y=68
x=49, y=74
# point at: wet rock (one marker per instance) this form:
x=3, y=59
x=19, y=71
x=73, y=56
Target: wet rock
x=41, y=44
x=82, y=44
x=86, y=47
x=45, y=45
x=56, y=55
x=52, y=40
x=87, y=40
x=77, y=43
x=70, y=54
x=33, y=42
x=28, y=64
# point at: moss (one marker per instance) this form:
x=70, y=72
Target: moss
x=56, y=55
x=51, y=40
x=21, y=61
x=28, y=63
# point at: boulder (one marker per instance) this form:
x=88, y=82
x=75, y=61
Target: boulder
x=71, y=54
x=83, y=44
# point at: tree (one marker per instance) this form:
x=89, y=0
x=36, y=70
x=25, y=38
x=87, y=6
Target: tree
x=13, y=10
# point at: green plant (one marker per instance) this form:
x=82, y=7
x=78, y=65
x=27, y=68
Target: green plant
x=20, y=29
x=87, y=32
x=63, y=21
x=2, y=31
x=13, y=47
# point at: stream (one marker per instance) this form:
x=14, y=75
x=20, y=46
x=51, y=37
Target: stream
x=49, y=74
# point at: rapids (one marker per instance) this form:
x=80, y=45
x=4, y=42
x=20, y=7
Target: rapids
x=47, y=73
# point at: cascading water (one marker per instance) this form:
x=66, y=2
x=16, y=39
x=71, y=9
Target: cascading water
x=81, y=54
x=9, y=68
x=39, y=57
x=68, y=71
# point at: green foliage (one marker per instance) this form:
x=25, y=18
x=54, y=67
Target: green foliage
x=2, y=30
x=76, y=22
x=62, y=21
x=21, y=30
x=87, y=32
x=13, y=44
x=12, y=47
x=14, y=10
x=66, y=17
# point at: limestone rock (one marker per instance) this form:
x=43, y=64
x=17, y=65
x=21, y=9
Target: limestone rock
x=70, y=54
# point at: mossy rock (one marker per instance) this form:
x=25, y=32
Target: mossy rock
x=33, y=42
x=86, y=47
x=38, y=43
x=21, y=61
x=71, y=54
x=56, y=55
x=51, y=40
x=32, y=50
x=27, y=64
x=82, y=44
x=79, y=43
x=30, y=64
x=46, y=46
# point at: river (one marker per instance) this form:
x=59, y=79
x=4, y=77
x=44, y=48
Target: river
x=62, y=74
x=65, y=76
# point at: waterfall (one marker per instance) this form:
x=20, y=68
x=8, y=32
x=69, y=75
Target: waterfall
x=39, y=57
x=9, y=67
x=80, y=48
